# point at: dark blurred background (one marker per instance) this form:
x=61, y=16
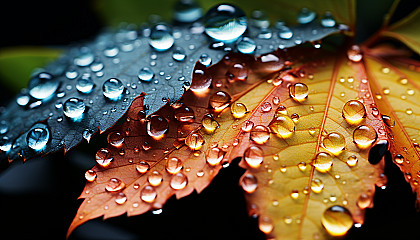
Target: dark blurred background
x=38, y=199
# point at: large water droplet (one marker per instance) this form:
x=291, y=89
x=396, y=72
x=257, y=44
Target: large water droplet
x=254, y=156
x=265, y=224
x=161, y=38
x=283, y=126
x=364, y=136
x=306, y=16
x=215, y=156
x=237, y=71
x=184, y=114
x=114, y=185
x=173, y=165
x=219, y=100
x=115, y=139
x=249, y=183
x=85, y=84
x=74, y=108
x=246, y=45
x=201, y=79
x=142, y=167
x=299, y=91
x=194, y=140
x=157, y=126
x=337, y=220
x=113, y=88
x=238, y=110
x=354, y=112
x=146, y=74
x=178, y=181
x=322, y=162
x=209, y=124
x=155, y=178
x=187, y=11
x=85, y=58
x=38, y=138
x=148, y=194
x=334, y=142
x=104, y=157
x=42, y=86
x=260, y=134
x=225, y=22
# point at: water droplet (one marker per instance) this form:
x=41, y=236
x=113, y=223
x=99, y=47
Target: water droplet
x=148, y=194
x=317, y=185
x=38, y=138
x=114, y=185
x=22, y=99
x=253, y=156
x=266, y=107
x=247, y=126
x=90, y=175
x=328, y=20
x=237, y=71
x=294, y=194
x=246, y=45
x=194, y=141
x=386, y=91
x=4, y=127
x=173, y=165
x=285, y=32
x=352, y=161
x=386, y=70
x=42, y=86
x=74, y=108
x=288, y=219
x=354, y=54
x=157, y=126
x=225, y=22
x=96, y=67
x=219, y=100
x=85, y=58
x=179, y=54
x=146, y=74
x=184, y=114
x=259, y=19
x=389, y=122
x=364, y=136
x=85, y=84
x=178, y=181
x=354, y=112
x=121, y=198
x=265, y=224
x=71, y=74
x=302, y=166
x=323, y=162
x=299, y=91
x=409, y=111
x=205, y=59
x=334, y=142
x=306, y=16
x=161, y=38
x=260, y=134
x=104, y=157
x=215, y=156
x=5, y=144
x=364, y=201
x=115, y=139
x=337, y=220
x=187, y=11
x=155, y=178
x=283, y=126
x=111, y=51
x=142, y=167
x=201, y=80
x=113, y=88
x=238, y=110
x=209, y=124
x=399, y=159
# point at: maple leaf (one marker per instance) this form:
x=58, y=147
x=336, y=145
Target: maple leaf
x=304, y=121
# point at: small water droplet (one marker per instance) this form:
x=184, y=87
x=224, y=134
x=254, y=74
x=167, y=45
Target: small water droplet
x=209, y=124
x=219, y=100
x=389, y=122
x=155, y=178
x=266, y=107
x=205, y=59
x=121, y=198
x=249, y=183
x=42, y=86
x=225, y=22
x=306, y=16
x=201, y=80
x=111, y=51
x=352, y=161
x=399, y=159
x=85, y=84
x=113, y=89
x=354, y=112
x=85, y=58
x=142, y=167
x=184, y=114
x=364, y=201
x=364, y=136
x=194, y=141
x=74, y=108
x=285, y=32
x=5, y=144
x=187, y=11
x=337, y=220
x=38, y=138
x=22, y=99
x=334, y=142
x=173, y=165
x=323, y=162
x=260, y=134
x=246, y=45
x=178, y=181
x=104, y=157
x=328, y=20
x=90, y=175
x=179, y=54
x=294, y=194
x=317, y=185
x=265, y=224
x=114, y=185
x=161, y=38
x=354, y=54
x=237, y=71
x=238, y=110
x=215, y=156
x=157, y=126
x=302, y=166
x=253, y=156
x=283, y=126
x=299, y=91
x=148, y=194
x=115, y=139
x=146, y=74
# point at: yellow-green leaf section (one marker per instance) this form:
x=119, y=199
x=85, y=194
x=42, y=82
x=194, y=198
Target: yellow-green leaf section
x=292, y=195
x=407, y=30
x=17, y=64
x=397, y=89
